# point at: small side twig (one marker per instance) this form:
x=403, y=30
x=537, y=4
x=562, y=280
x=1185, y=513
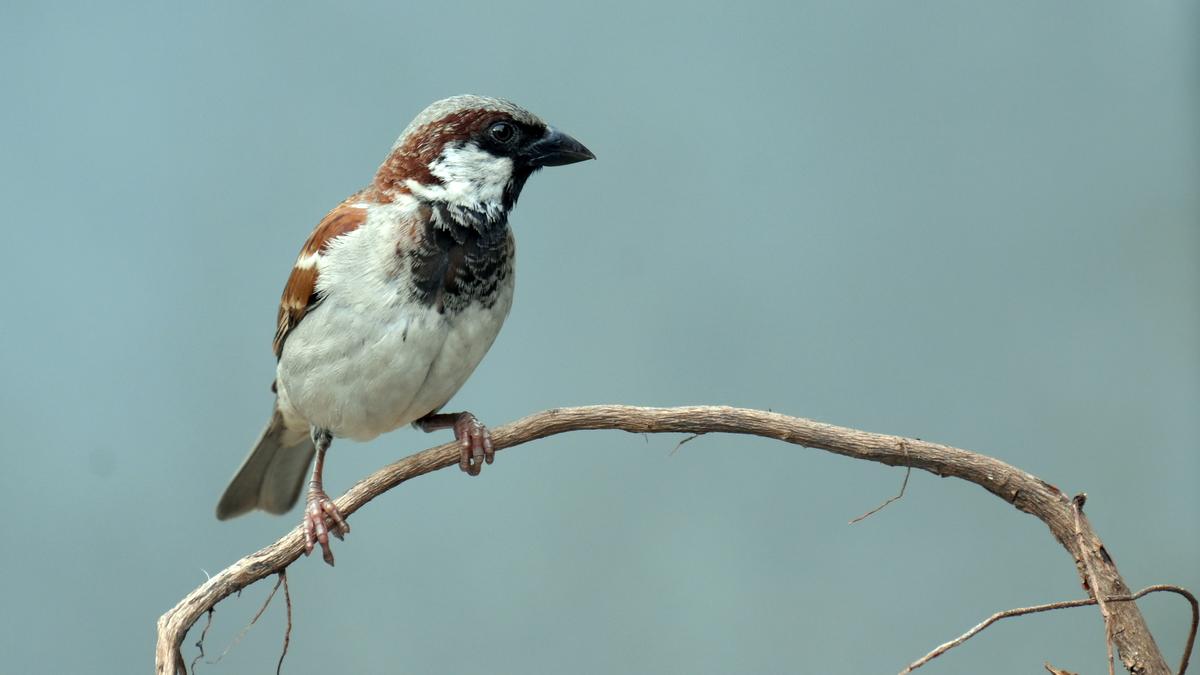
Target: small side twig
x=679, y=445
x=896, y=497
x=1018, y=611
x=287, y=634
x=203, y=634
x=1067, y=604
x=245, y=630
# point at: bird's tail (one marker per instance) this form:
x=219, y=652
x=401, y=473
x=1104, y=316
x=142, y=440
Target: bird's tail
x=273, y=473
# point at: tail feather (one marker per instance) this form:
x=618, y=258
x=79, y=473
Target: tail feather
x=271, y=476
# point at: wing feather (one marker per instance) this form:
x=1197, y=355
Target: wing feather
x=300, y=293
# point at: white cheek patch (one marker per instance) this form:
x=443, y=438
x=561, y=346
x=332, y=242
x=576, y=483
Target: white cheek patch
x=470, y=177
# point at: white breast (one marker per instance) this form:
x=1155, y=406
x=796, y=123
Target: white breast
x=369, y=358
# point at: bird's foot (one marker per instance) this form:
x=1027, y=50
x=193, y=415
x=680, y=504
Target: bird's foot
x=322, y=518
x=476, y=443
x=473, y=438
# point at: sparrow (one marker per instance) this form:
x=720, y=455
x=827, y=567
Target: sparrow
x=393, y=301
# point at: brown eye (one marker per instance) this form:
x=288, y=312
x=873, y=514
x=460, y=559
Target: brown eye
x=503, y=132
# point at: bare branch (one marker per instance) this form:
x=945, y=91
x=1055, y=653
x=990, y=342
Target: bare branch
x=1026, y=492
x=1089, y=572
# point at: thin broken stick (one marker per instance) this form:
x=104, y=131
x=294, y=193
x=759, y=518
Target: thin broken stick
x=287, y=634
x=898, y=495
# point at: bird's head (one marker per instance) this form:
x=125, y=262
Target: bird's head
x=471, y=155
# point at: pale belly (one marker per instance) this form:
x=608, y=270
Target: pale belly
x=363, y=375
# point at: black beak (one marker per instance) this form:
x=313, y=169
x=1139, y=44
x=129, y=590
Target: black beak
x=556, y=149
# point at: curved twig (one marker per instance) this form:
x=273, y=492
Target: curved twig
x=1067, y=604
x=1026, y=492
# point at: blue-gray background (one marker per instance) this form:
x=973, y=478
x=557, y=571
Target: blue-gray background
x=975, y=223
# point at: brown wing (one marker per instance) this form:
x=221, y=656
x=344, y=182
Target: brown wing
x=300, y=293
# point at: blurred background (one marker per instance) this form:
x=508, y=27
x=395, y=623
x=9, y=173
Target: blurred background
x=975, y=223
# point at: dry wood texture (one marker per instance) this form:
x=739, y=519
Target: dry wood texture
x=1135, y=645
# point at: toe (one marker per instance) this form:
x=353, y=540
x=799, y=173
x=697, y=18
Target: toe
x=464, y=456
x=310, y=539
x=489, y=453
x=337, y=524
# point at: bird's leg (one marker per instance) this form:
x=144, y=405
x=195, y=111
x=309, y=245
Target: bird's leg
x=321, y=515
x=474, y=438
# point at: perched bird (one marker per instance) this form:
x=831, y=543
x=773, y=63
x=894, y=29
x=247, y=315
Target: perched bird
x=393, y=301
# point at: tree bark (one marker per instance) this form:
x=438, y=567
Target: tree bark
x=1135, y=645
